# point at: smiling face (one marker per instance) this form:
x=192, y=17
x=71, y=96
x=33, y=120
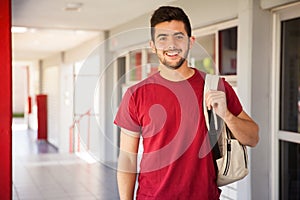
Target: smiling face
x=171, y=44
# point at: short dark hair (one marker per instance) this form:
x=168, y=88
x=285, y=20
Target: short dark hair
x=169, y=13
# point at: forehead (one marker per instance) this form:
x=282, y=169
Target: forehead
x=170, y=27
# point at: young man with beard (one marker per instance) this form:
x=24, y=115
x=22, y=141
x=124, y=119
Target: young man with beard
x=166, y=111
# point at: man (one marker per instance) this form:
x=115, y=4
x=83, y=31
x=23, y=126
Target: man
x=166, y=110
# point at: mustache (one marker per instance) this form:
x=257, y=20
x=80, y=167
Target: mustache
x=172, y=50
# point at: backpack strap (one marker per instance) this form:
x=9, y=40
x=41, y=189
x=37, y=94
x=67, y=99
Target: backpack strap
x=211, y=83
x=211, y=119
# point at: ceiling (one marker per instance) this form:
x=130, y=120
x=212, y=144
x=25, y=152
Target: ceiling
x=51, y=26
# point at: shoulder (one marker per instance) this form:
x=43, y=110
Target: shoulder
x=226, y=85
x=151, y=79
x=199, y=73
x=198, y=77
x=142, y=85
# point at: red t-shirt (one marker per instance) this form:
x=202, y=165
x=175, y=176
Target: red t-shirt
x=177, y=161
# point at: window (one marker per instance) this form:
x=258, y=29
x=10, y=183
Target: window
x=290, y=76
x=228, y=51
x=289, y=170
x=152, y=63
x=215, y=51
x=141, y=64
x=206, y=62
x=135, y=65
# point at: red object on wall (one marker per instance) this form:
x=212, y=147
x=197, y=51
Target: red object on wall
x=29, y=105
x=41, y=101
x=5, y=100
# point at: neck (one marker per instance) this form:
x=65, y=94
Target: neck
x=182, y=73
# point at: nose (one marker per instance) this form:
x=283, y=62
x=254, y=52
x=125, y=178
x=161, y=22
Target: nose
x=171, y=43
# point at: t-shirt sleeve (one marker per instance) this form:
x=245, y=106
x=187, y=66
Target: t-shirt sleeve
x=126, y=116
x=233, y=102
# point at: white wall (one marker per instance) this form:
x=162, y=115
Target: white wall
x=85, y=90
x=19, y=88
x=201, y=13
x=267, y=4
x=66, y=105
x=20, y=95
x=51, y=85
x=254, y=68
x=82, y=51
x=57, y=76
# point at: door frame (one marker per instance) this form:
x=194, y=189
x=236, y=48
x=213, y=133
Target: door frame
x=279, y=14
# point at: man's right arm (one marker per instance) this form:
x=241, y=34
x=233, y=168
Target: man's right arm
x=127, y=164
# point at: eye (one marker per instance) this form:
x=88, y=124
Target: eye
x=179, y=37
x=162, y=38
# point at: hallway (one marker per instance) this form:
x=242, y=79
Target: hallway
x=41, y=172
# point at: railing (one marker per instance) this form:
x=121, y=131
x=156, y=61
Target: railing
x=74, y=137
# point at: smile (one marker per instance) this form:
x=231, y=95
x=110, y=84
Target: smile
x=172, y=53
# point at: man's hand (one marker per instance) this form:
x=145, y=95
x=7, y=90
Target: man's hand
x=242, y=126
x=217, y=100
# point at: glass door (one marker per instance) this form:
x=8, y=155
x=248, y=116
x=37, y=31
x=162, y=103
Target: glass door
x=289, y=111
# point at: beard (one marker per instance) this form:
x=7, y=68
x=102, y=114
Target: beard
x=172, y=65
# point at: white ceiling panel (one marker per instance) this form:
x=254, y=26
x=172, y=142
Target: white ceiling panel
x=93, y=14
x=51, y=28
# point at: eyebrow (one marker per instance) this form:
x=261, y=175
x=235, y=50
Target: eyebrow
x=165, y=34
x=162, y=35
x=178, y=33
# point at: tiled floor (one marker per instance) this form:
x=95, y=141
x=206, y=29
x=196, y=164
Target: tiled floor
x=39, y=172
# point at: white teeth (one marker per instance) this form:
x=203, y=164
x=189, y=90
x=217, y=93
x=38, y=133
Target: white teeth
x=172, y=53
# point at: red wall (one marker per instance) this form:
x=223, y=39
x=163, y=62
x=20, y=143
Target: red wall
x=5, y=101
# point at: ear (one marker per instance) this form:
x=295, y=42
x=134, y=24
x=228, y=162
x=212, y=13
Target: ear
x=152, y=45
x=192, y=41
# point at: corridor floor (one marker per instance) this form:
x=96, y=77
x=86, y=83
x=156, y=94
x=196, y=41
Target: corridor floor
x=40, y=172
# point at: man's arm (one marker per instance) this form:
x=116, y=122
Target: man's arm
x=244, y=129
x=127, y=164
